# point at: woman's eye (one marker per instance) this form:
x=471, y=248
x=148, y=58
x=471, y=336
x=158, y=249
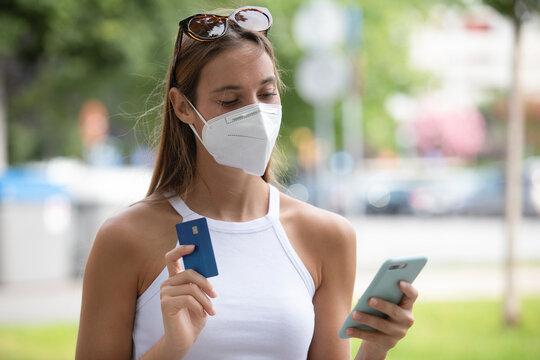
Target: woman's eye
x=268, y=94
x=228, y=103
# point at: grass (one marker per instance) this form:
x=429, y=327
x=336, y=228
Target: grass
x=454, y=330
x=41, y=342
x=469, y=330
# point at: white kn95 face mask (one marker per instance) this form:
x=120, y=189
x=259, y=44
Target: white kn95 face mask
x=243, y=138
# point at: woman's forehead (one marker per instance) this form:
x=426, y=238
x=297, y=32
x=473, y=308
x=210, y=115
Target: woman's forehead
x=248, y=63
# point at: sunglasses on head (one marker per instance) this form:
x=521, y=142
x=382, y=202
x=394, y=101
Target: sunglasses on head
x=210, y=27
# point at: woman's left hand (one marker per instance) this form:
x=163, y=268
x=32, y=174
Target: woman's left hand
x=389, y=331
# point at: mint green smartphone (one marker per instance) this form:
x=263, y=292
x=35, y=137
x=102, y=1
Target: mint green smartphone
x=385, y=285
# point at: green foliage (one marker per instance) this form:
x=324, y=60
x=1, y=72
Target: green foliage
x=82, y=49
x=517, y=10
x=382, y=63
x=55, y=54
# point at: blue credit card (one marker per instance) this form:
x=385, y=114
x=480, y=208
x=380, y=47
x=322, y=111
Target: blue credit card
x=202, y=260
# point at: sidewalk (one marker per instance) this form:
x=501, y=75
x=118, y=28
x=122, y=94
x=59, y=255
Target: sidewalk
x=40, y=302
x=461, y=283
x=466, y=255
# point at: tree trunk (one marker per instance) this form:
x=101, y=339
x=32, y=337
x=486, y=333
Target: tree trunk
x=514, y=166
x=3, y=121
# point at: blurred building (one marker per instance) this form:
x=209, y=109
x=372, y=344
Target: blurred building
x=469, y=52
x=462, y=110
x=458, y=117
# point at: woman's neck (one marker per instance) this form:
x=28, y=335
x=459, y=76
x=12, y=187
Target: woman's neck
x=227, y=194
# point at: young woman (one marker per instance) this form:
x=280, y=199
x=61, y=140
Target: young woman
x=286, y=268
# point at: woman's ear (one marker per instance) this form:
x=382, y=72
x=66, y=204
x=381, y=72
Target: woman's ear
x=181, y=107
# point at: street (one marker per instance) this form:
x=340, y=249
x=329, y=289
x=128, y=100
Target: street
x=466, y=257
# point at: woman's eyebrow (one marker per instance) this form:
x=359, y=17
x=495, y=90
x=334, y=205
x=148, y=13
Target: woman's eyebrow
x=227, y=87
x=270, y=79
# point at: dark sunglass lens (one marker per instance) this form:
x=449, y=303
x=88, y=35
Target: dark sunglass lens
x=252, y=19
x=207, y=27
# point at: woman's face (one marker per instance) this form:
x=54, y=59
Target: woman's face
x=236, y=78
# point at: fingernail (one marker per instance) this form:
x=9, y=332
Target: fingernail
x=348, y=332
x=373, y=301
x=356, y=315
x=404, y=284
x=212, y=292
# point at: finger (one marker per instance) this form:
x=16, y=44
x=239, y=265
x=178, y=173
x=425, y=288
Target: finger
x=393, y=311
x=190, y=289
x=382, y=325
x=171, y=305
x=360, y=333
x=192, y=276
x=410, y=294
x=401, y=317
x=172, y=257
x=372, y=336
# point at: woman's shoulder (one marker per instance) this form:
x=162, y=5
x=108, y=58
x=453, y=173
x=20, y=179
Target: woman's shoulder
x=138, y=222
x=322, y=226
x=325, y=241
x=139, y=235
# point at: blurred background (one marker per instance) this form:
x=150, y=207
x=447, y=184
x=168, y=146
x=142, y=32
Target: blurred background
x=418, y=120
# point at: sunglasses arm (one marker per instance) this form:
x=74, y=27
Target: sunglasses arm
x=177, y=47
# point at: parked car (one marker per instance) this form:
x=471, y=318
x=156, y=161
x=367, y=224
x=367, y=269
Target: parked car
x=489, y=195
x=468, y=191
x=389, y=197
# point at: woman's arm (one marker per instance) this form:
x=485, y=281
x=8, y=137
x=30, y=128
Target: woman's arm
x=109, y=296
x=127, y=251
x=334, y=241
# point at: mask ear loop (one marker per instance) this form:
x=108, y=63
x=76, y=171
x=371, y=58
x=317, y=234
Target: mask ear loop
x=200, y=117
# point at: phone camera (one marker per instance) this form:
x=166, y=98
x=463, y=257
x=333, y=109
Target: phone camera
x=397, y=266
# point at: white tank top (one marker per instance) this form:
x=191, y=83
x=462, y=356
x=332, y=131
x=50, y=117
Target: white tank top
x=265, y=294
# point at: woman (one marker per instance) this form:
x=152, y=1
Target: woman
x=286, y=269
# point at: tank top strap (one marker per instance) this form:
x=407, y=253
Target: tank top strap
x=273, y=202
x=181, y=208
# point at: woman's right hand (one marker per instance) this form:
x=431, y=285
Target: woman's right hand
x=185, y=303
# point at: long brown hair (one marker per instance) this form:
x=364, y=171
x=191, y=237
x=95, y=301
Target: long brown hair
x=176, y=157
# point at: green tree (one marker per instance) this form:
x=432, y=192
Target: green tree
x=55, y=54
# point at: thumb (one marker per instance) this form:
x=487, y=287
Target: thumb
x=410, y=294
